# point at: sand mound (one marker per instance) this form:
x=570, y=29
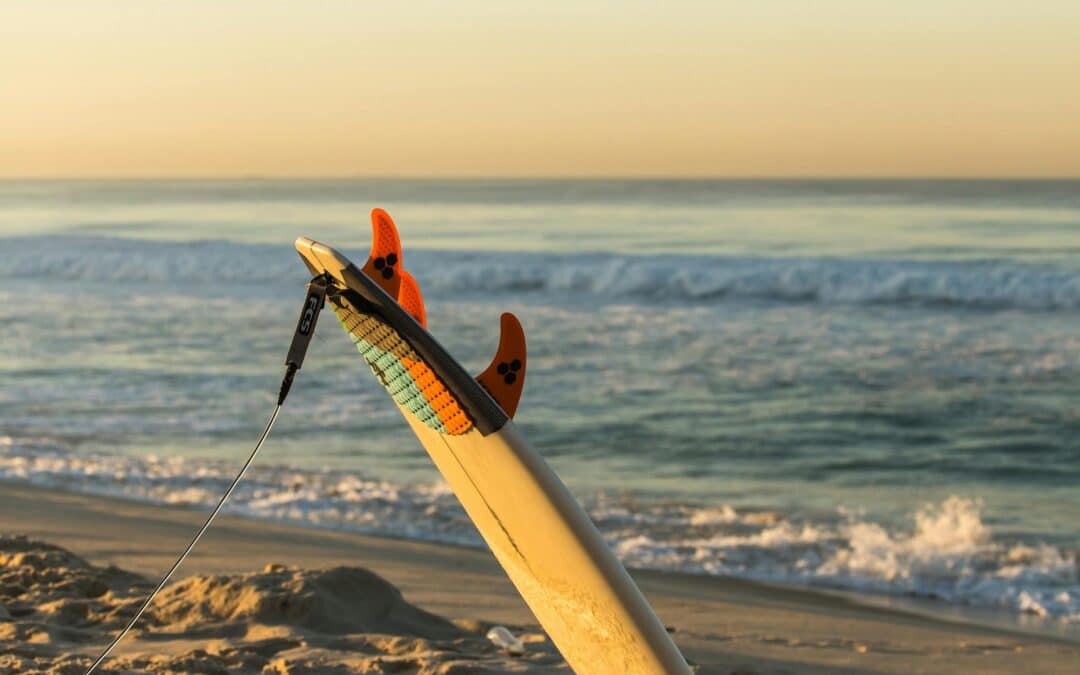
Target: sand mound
x=56, y=610
x=336, y=601
x=49, y=594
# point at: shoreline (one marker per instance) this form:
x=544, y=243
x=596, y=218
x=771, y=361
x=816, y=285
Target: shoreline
x=924, y=607
x=721, y=623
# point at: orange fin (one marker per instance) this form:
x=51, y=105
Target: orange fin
x=384, y=264
x=410, y=299
x=505, y=377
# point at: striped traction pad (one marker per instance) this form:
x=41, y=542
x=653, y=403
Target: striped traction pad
x=411, y=382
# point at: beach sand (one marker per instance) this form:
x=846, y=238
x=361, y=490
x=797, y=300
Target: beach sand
x=265, y=597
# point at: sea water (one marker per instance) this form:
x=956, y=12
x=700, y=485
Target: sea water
x=870, y=386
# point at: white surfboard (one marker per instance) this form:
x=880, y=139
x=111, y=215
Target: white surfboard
x=550, y=549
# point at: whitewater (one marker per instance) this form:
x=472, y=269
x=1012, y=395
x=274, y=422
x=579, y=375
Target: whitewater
x=976, y=284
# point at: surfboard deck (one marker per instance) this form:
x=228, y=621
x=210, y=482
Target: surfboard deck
x=552, y=552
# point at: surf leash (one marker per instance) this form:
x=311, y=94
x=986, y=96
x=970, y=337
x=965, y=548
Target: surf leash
x=305, y=329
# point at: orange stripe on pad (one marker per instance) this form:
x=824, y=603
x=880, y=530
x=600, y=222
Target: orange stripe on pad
x=444, y=403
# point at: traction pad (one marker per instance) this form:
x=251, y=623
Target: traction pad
x=409, y=380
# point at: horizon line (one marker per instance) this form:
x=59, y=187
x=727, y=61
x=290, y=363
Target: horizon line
x=544, y=177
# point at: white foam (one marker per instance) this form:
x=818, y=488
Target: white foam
x=975, y=284
x=948, y=552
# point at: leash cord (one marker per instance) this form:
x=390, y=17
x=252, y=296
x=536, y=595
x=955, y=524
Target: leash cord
x=190, y=546
x=305, y=329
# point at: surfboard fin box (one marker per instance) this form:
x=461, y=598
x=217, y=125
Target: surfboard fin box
x=504, y=379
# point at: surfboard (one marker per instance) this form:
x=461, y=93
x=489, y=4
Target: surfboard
x=557, y=560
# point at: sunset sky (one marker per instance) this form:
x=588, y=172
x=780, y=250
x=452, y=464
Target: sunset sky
x=781, y=88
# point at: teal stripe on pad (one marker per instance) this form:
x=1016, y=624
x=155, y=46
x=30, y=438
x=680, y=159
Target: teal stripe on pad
x=399, y=382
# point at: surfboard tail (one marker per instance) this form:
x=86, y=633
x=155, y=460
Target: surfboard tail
x=548, y=546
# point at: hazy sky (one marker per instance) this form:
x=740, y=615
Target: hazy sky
x=255, y=87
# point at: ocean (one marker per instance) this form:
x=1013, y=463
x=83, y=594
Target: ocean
x=860, y=386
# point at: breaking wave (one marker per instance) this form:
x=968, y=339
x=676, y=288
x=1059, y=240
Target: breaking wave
x=987, y=284
x=945, y=552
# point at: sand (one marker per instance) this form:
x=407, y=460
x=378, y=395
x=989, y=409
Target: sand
x=260, y=597
x=277, y=620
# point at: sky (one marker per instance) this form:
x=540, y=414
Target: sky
x=586, y=88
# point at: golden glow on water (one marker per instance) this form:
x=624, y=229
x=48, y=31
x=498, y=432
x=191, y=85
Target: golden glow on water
x=474, y=88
